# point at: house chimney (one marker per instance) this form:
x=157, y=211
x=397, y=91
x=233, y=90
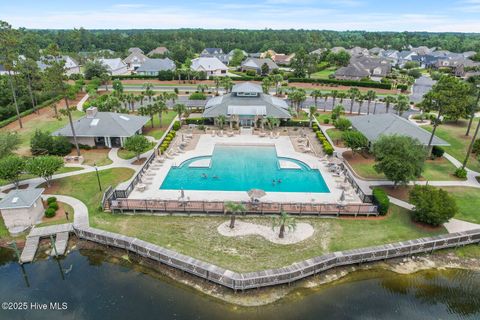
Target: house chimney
x=91, y=112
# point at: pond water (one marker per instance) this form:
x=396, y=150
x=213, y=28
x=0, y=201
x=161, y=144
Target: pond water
x=96, y=288
x=241, y=168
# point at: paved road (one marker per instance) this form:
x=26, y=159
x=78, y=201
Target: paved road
x=422, y=85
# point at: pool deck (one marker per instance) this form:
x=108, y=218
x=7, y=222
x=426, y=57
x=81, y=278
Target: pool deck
x=205, y=147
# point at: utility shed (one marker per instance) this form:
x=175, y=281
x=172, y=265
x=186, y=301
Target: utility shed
x=22, y=209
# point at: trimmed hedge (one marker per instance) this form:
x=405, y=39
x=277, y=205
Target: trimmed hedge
x=461, y=173
x=296, y=123
x=50, y=212
x=133, y=76
x=327, y=147
x=166, y=142
x=380, y=198
x=51, y=200
x=437, y=151
x=350, y=83
x=177, y=125
x=195, y=120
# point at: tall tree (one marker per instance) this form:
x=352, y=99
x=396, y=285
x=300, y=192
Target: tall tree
x=371, y=95
x=8, y=56
x=55, y=78
x=352, y=93
x=316, y=94
x=276, y=79
x=402, y=105
x=388, y=101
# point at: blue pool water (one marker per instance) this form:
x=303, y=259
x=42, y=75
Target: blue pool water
x=241, y=168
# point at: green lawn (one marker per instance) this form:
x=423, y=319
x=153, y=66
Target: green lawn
x=198, y=237
x=454, y=133
x=434, y=170
x=323, y=74
x=157, y=131
x=321, y=116
x=84, y=187
x=127, y=155
x=335, y=135
x=468, y=202
x=49, y=124
x=95, y=156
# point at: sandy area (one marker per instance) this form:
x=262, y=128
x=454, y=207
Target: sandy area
x=301, y=232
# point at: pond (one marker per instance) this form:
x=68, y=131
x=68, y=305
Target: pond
x=92, y=286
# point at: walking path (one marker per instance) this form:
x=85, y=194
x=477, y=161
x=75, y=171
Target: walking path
x=81, y=102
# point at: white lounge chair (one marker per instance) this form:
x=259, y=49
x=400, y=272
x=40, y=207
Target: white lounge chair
x=213, y=133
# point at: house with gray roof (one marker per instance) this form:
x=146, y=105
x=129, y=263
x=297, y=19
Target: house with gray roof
x=135, y=60
x=374, y=126
x=246, y=105
x=114, y=66
x=2, y=70
x=104, y=129
x=215, y=53
x=71, y=66
x=151, y=67
x=135, y=49
x=158, y=51
x=362, y=66
x=21, y=209
x=256, y=64
x=210, y=65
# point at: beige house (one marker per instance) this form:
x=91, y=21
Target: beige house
x=22, y=209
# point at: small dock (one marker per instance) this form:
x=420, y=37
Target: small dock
x=31, y=246
x=60, y=232
x=61, y=241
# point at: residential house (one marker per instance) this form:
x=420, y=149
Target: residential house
x=469, y=54
x=358, y=51
x=21, y=209
x=114, y=66
x=390, y=55
x=318, y=51
x=215, y=53
x=283, y=59
x=71, y=66
x=337, y=49
x=405, y=56
x=362, y=67
x=212, y=66
x=246, y=105
x=104, y=129
x=426, y=61
x=135, y=49
x=457, y=64
x=135, y=60
x=158, y=51
x=422, y=50
x=267, y=54
x=374, y=126
x=256, y=64
x=151, y=67
x=375, y=51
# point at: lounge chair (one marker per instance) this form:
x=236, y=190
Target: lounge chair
x=271, y=135
x=213, y=133
x=169, y=156
x=262, y=134
x=220, y=134
x=230, y=134
x=277, y=135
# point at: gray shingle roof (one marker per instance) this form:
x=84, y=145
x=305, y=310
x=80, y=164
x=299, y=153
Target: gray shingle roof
x=258, y=63
x=271, y=106
x=155, y=65
x=105, y=124
x=22, y=198
x=373, y=126
x=247, y=87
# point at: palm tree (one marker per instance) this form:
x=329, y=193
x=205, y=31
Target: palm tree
x=202, y=88
x=227, y=84
x=403, y=104
x=180, y=109
x=234, y=208
x=217, y=82
x=316, y=94
x=284, y=221
x=371, y=95
x=276, y=79
x=360, y=100
x=352, y=93
x=325, y=98
x=334, y=95
x=105, y=79
x=311, y=114
x=389, y=100
x=220, y=121
x=342, y=95
x=148, y=110
x=266, y=84
x=272, y=122
x=161, y=107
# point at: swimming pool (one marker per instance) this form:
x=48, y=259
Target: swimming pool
x=241, y=168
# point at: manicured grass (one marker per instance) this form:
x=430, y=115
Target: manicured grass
x=157, y=131
x=198, y=237
x=454, y=133
x=49, y=124
x=60, y=217
x=84, y=187
x=127, y=155
x=434, y=170
x=335, y=135
x=321, y=116
x=323, y=74
x=95, y=156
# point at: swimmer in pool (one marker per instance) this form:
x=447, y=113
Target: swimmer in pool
x=215, y=177
x=273, y=182
x=204, y=176
x=279, y=180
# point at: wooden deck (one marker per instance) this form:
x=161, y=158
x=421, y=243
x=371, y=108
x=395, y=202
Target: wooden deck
x=31, y=246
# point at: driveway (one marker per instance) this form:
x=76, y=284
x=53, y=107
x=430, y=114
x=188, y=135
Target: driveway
x=422, y=85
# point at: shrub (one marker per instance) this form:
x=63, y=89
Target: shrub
x=380, y=198
x=349, y=83
x=177, y=126
x=461, y=173
x=251, y=73
x=195, y=120
x=53, y=205
x=50, y=212
x=326, y=121
x=51, y=200
x=43, y=143
x=432, y=205
x=476, y=146
x=342, y=124
x=84, y=146
x=327, y=148
x=402, y=87
x=296, y=123
x=437, y=151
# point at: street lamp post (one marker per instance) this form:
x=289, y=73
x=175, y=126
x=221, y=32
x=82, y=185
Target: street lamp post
x=98, y=177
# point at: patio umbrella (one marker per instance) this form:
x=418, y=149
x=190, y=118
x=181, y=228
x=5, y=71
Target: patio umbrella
x=342, y=196
x=182, y=194
x=256, y=193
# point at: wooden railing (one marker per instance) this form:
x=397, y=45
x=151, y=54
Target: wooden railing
x=216, y=207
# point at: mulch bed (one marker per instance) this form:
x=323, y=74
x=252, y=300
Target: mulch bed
x=139, y=161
